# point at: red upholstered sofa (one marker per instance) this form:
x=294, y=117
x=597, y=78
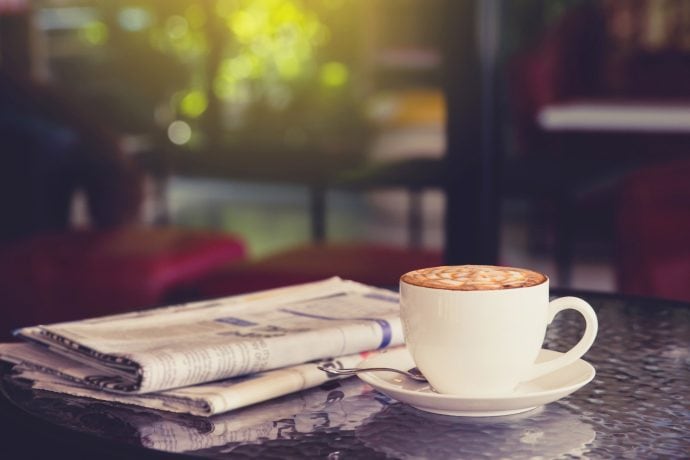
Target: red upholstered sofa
x=375, y=265
x=71, y=275
x=653, y=232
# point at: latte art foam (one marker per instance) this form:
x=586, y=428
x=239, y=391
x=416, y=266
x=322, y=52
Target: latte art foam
x=473, y=277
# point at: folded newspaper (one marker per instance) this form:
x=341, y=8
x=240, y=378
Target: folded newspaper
x=186, y=358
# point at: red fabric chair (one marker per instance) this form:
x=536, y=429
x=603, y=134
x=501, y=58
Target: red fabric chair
x=653, y=224
x=66, y=276
x=369, y=264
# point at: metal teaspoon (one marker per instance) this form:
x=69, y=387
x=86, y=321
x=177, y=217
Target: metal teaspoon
x=413, y=373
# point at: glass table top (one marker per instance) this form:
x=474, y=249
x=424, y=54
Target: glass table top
x=636, y=407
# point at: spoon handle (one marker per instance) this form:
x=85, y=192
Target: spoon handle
x=356, y=370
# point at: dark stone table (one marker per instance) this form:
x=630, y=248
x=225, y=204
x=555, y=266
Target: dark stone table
x=636, y=407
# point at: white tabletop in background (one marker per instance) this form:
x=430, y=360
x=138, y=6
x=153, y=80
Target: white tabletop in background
x=613, y=116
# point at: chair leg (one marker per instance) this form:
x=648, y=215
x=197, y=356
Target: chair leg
x=414, y=219
x=564, y=240
x=317, y=212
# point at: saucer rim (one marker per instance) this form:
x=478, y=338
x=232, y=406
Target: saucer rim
x=377, y=382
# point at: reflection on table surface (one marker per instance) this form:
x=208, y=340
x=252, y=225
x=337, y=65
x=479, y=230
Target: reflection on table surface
x=635, y=407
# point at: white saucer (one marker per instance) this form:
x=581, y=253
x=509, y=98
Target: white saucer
x=526, y=396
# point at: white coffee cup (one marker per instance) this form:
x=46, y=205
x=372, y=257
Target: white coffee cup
x=484, y=342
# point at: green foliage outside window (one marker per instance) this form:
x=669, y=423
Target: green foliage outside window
x=270, y=74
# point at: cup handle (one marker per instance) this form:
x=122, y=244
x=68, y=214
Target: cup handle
x=591, y=327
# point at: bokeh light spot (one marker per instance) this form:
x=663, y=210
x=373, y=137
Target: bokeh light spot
x=179, y=132
x=334, y=74
x=193, y=104
x=176, y=27
x=245, y=25
x=94, y=33
x=289, y=66
x=241, y=67
x=134, y=19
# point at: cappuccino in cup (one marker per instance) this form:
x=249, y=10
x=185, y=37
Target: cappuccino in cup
x=476, y=330
x=474, y=278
